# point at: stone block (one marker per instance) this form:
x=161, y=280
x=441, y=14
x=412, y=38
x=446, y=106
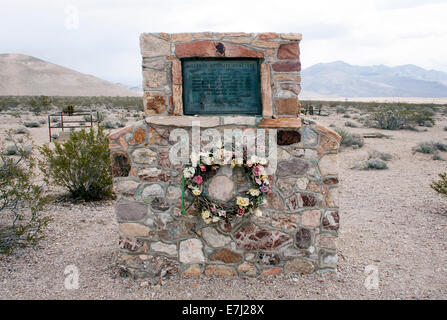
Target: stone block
x=191, y=251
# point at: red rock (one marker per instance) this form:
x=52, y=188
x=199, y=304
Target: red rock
x=268, y=35
x=271, y=272
x=208, y=48
x=253, y=237
x=154, y=103
x=219, y=271
x=288, y=51
x=288, y=66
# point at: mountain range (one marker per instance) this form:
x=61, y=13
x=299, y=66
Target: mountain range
x=340, y=79
x=25, y=75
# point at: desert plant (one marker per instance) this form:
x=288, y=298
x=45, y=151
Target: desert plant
x=440, y=185
x=375, y=154
x=376, y=164
x=21, y=200
x=348, y=139
x=351, y=124
x=21, y=130
x=431, y=147
x=31, y=124
x=81, y=164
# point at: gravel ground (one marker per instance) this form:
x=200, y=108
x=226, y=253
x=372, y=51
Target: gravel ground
x=390, y=219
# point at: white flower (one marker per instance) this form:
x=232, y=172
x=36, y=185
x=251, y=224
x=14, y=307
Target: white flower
x=196, y=192
x=254, y=192
x=243, y=202
x=254, y=159
x=194, y=159
x=263, y=161
x=216, y=219
x=188, y=172
x=258, y=212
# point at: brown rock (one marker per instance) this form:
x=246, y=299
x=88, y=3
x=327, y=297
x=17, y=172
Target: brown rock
x=296, y=167
x=328, y=143
x=328, y=132
x=280, y=123
x=285, y=138
x=331, y=220
x=291, y=36
x=299, y=265
x=176, y=72
x=177, y=99
x=283, y=77
x=120, y=164
x=138, y=137
x=134, y=229
x=208, y=48
x=181, y=37
x=295, y=88
x=226, y=256
x=247, y=269
x=193, y=271
x=266, y=91
x=289, y=51
x=152, y=46
x=219, y=271
x=274, y=201
x=288, y=66
x=327, y=241
x=154, y=103
x=163, y=160
x=309, y=200
x=154, y=79
x=130, y=211
x=115, y=135
x=289, y=106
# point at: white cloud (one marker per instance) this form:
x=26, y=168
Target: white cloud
x=106, y=43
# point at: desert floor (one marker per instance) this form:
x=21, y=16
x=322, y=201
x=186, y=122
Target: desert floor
x=390, y=219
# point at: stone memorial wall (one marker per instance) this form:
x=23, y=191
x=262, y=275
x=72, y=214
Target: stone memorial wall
x=297, y=230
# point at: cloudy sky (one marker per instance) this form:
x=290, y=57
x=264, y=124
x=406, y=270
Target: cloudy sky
x=101, y=37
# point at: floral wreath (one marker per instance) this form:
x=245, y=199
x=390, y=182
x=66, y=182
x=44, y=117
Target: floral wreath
x=202, y=166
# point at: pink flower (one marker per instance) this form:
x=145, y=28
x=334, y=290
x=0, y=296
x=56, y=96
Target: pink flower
x=213, y=209
x=198, y=179
x=202, y=168
x=241, y=211
x=258, y=170
x=258, y=181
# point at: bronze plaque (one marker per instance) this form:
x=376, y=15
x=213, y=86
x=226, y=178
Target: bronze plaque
x=221, y=86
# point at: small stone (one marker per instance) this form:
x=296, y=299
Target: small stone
x=163, y=160
x=268, y=35
x=329, y=260
x=289, y=106
x=214, y=238
x=134, y=229
x=288, y=66
x=333, y=198
x=173, y=193
x=274, y=201
x=181, y=37
x=288, y=51
x=286, y=186
x=309, y=200
x=156, y=63
x=191, y=251
x=271, y=272
x=282, y=77
x=311, y=218
x=193, y=271
x=265, y=44
x=144, y=156
x=221, y=188
x=328, y=143
x=291, y=36
x=285, y=138
x=328, y=164
x=253, y=237
x=226, y=255
x=131, y=211
x=154, y=79
x=294, y=202
x=327, y=241
x=219, y=271
x=154, y=103
x=310, y=137
x=153, y=190
x=330, y=181
x=151, y=46
x=303, y=238
x=293, y=167
x=302, y=183
x=126, y=187
x=170, y=249
x=247, y=269
x=138, y=137
x=331, y=220
x=298, y=265
x=268, y=259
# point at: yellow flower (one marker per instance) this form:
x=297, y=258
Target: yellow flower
x=243, y=202
x=239, y=161
x=258, y=212
x=205, y=214
x=263, y=177
x=208, y=220
x=196, y=192
x=233, y=163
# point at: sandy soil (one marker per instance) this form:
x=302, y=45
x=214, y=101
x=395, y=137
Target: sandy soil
x=390, y=219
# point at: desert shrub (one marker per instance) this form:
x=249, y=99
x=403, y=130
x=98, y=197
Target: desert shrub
x=340, y=109
x=31, y=124
x=21, y=200
x=437, y=157
x=375, y=154
x=396, y=117
x=81, y=164
x=21, y=130
x=430, y=147
x=351, y=124
x=346, y=115
x=348, y=139
x=440, y=185
x=42, y=121
x=376, y=164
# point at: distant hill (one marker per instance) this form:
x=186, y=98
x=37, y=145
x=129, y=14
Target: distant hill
x=25, y=75
x=340, y=79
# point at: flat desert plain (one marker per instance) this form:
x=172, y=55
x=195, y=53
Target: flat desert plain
x=391, y=221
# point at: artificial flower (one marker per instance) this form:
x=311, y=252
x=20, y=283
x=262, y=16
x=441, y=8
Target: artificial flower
x=202, y=168
x=242, y=202
x=198, y=179
x=254, y=192
x=258, y=170
x=196, y=192
x=205, y=214
x=264, y=189
x=241, y=211
x=258, y=212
